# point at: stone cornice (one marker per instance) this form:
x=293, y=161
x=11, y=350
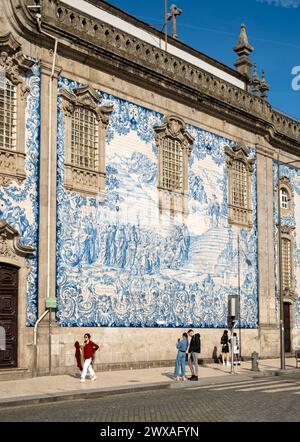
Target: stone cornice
x=101, y=45
x=175, y=128
x=89, y=98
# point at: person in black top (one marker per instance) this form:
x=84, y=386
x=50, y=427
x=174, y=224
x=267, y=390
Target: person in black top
x=193, y=351
x=225, y=347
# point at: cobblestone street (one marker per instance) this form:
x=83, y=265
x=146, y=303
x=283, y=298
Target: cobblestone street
x=273, y=399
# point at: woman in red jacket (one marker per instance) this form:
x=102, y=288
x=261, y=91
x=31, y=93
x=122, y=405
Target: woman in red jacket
x=89, y=349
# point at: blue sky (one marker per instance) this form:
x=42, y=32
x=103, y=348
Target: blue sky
x=273, y=28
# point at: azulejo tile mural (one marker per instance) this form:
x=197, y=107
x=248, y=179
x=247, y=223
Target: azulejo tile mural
x=19, y=203
x=121, y=263
x=293, y=220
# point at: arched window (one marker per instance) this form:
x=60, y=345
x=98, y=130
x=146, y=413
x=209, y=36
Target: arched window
x=14, y=89
x=288, y=261
x=239, y=184
x=8, y=113
x=284, y=198
x=85, y=139
x=286, y=264
x=172, y=167
x=286, y=195
x=239, y=169
x=85, y=126
x=174, y=145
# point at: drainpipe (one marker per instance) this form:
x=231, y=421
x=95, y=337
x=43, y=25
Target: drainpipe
x=35, y=347
x=38, y=17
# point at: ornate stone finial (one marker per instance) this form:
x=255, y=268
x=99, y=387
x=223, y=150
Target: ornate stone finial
x=174, y=12
x=243, y=49
x=255, y=82
x=264, y=87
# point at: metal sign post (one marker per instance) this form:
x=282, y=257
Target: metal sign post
x=233, y=320
x=234, y=324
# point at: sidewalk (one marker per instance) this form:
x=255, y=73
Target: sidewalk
x=66, y=387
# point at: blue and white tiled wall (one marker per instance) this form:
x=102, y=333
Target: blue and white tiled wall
x=292, y=220
x=19, y=203
x=120, y=265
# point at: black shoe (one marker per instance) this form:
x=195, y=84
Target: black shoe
x=195, y=378
x=191, y=378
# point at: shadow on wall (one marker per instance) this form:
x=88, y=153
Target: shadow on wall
x=215, y=356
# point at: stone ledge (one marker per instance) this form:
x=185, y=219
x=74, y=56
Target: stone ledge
x=14, y=374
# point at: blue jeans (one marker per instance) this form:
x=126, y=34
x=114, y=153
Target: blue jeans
x=180, y=363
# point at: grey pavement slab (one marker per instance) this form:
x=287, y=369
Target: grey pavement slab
x=46, y=389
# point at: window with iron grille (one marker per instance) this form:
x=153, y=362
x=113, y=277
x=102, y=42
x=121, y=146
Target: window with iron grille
x=240, y=167
x=239, y=184
x=85, y=140
x=8, y=114
x=286, y=264
x=172, y=165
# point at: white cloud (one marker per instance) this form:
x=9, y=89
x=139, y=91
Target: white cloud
x=283, y=3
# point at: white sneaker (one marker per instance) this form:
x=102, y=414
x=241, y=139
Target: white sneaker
x=228, y=363
x=82, y=380
x=94, y=378
x=177, y=378
x=184, y=378
x=224, y=363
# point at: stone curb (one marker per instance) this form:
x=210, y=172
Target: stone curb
x=77, y=395
x=233, y=378
x=97, y=393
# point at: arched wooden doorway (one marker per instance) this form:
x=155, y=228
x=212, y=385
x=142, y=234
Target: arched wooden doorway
x=9, y=314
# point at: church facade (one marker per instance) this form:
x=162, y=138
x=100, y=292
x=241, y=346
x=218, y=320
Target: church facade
x=138, y=192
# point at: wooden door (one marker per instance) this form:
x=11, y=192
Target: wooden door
x=287, y=327
x=9, y=314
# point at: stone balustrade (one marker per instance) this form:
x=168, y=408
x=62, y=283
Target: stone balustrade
x=102, y=35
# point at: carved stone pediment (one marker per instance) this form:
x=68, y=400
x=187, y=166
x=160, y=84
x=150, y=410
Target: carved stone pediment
x=175, y=128
x=239, y=152
x=13, y=61
x=285, y=181
x=10, y=245
x=88, y=98
x=287, y=230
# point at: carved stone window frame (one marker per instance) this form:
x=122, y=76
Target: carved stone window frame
x=285, y=183
x=76, y=178
x=239, y=215
x=175, y=128
x=287, y=233
x=15, y=66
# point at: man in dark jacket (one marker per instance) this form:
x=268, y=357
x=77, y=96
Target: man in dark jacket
x=193, y=351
